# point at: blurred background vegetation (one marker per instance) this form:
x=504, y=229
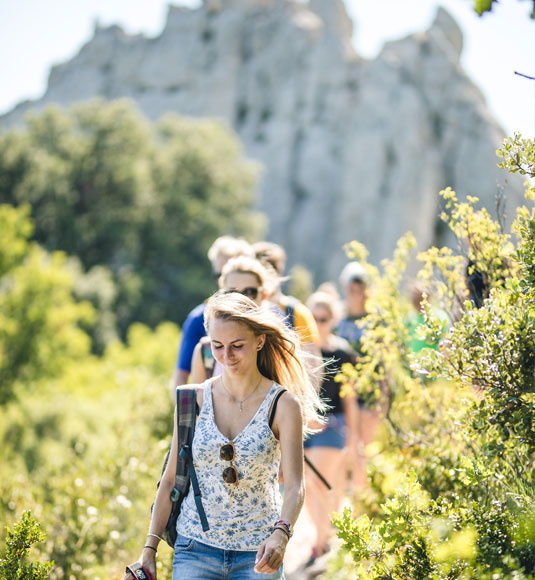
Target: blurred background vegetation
x=82, y=435
x=134, y=205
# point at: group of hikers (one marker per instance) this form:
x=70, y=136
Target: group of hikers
x=271, y=420
x=326, y=326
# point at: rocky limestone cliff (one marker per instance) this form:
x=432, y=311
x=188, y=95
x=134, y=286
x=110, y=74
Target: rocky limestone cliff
x=352, y=149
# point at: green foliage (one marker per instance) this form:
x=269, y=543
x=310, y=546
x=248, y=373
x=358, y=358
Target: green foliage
x=482, y=6
x=383, y=368
x=452, y=491
x=97, y=287
x=85, y=453
x=82, y=438
x=141, y=203
x=15, y=229
x=39, y=318
x=301, y=283
x=519, y=157
x=14, y=564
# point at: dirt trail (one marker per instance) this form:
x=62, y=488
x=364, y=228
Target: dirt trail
x=299, y=549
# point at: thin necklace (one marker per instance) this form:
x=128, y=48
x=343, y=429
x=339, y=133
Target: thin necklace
x=234, y=399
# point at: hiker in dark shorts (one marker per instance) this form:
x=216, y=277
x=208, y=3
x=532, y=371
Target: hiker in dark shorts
x=328, y=449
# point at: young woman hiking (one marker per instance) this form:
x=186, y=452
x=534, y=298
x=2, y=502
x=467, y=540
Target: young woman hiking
x=237, y=454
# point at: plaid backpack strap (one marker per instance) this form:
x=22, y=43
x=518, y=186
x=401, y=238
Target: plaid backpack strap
x=186, y=400
x=186, y=407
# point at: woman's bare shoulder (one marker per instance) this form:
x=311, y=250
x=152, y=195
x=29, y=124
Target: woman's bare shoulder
x=289, y=403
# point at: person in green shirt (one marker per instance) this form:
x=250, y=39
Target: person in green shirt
x=416, y=318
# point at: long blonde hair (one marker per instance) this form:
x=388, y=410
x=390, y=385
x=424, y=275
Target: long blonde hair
x=281, y=359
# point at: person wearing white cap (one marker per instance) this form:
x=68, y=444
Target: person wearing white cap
x=354, y=284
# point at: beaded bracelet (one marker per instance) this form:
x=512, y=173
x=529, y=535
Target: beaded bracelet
x=283, y=530
x=283, y=524
x=150, y=547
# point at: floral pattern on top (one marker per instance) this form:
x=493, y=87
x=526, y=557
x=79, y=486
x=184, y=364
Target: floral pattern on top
x=240, y=516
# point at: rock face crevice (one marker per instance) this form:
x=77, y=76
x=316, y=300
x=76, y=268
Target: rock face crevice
x=352, y=149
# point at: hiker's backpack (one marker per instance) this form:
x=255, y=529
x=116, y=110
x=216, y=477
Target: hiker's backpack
x=186, y=414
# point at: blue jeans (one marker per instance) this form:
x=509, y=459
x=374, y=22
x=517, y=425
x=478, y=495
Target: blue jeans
x=194, y=560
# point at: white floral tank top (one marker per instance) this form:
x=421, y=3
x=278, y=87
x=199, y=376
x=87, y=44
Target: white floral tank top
x=240, y=516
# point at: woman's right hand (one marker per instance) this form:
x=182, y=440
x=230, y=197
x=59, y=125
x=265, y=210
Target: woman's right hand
x=148, y=561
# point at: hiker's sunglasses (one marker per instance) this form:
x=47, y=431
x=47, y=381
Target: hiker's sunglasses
x=227, y=452
x=251, y=291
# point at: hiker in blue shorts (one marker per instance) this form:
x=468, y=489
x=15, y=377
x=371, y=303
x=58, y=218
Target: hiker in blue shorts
x=329, y=449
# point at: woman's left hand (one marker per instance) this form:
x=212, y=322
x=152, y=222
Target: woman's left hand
x=271, y=553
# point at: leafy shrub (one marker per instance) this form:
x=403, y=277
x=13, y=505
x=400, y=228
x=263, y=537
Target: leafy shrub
x=452, y=494
x=14, y=564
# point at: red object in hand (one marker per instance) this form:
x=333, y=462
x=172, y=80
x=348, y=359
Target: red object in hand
x=138, y=572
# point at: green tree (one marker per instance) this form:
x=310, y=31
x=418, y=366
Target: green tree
x=39, y=318
x=82, y=437
x=145, y=201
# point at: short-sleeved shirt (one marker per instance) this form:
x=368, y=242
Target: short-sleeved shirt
x=349, y=329
x=192, y=331
x=415, y=319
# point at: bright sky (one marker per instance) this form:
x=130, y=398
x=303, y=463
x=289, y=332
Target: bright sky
x=35, y=34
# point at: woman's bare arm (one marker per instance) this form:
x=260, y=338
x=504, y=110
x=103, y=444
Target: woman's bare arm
x=288, y=428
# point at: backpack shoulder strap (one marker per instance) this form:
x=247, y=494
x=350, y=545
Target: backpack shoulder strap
x=289, y=314
x=273, y=408
x=186, y=413
x=279, y=394
x=289, y=310
x=208, y=360
x=186, y=416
